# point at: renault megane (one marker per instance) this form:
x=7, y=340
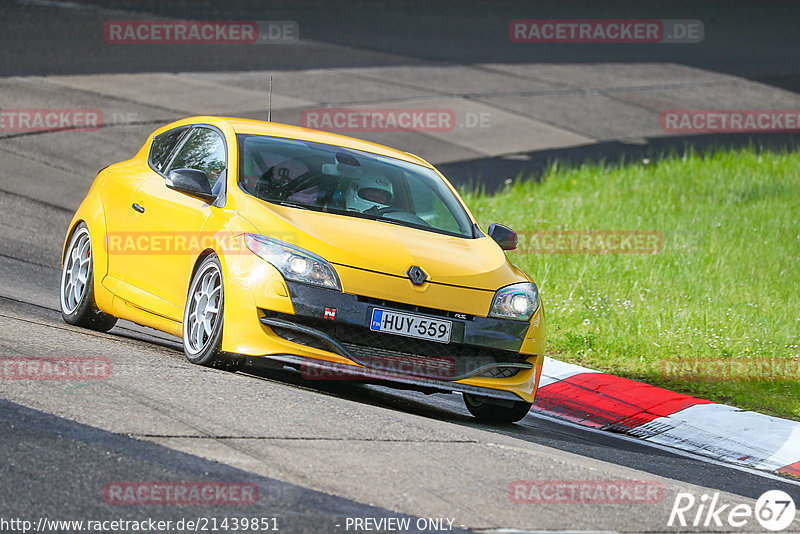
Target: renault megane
x=259, y=242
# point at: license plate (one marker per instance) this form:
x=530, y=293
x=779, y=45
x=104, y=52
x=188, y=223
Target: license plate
x=405, y=324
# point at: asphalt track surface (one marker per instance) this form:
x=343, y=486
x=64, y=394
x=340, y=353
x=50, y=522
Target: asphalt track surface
x=318, y=452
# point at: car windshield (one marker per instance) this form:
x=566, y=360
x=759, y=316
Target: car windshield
x=349, y=182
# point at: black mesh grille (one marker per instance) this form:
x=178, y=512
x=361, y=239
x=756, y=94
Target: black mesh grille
x=413, y=356
x=500, y=372
x=396, y=362
x=360, y=335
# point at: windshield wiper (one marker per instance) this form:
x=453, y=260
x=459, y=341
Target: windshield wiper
x=293, y=205
x=352, y=213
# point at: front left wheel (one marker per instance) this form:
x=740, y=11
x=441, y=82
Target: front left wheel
x=78, y=306
x=495, y=410
x=202, y=318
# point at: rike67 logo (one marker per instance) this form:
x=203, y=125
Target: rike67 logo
x=774, y=510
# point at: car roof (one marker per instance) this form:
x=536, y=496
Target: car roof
x=274, y=129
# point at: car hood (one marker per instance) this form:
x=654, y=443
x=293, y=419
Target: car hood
x=386, y=248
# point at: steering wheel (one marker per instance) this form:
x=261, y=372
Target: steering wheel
x=282, y=189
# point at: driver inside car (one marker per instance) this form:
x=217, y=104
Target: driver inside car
x=369, y=194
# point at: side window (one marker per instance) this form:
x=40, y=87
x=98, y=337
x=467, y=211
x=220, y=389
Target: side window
x=163, y=145
x=204, y=150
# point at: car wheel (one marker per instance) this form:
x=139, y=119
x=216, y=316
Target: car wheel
x=202, y=319
x=77, y=285
x=496, y=411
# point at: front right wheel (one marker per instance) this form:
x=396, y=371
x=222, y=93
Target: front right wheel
x=495, y=410
x=202, y=318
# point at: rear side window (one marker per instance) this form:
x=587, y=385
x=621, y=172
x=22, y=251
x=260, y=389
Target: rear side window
x=163, y=146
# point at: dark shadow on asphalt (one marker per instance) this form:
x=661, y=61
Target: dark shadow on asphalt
x=59, y=467
x=493, y=173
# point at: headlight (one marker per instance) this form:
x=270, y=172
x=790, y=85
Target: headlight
x=517, y=301
x=293, y=262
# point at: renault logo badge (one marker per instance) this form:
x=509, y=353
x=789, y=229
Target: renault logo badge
x=417, y=275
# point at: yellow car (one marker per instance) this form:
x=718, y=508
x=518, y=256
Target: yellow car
x=259, y=243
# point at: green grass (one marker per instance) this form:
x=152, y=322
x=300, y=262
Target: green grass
x=725, y=288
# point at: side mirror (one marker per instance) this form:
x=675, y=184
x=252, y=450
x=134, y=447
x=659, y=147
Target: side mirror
x=504, y=236
x=191, y=182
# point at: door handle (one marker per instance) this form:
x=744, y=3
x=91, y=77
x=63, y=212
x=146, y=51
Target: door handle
x=137, y=207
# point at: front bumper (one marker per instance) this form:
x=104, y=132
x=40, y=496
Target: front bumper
x=338, y=322
x=472, y=362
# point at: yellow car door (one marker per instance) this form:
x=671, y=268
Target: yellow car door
x=116, y=197
x=170, y=224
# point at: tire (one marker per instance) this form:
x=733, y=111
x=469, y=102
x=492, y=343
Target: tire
x=203, y=316
x=491, y=411
x=78, y=306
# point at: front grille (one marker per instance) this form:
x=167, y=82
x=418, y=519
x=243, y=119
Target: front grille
x=500, y=372
x=399, y=362
x=387, y=352
x=363, y=336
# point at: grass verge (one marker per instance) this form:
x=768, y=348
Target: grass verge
x=715, y=313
